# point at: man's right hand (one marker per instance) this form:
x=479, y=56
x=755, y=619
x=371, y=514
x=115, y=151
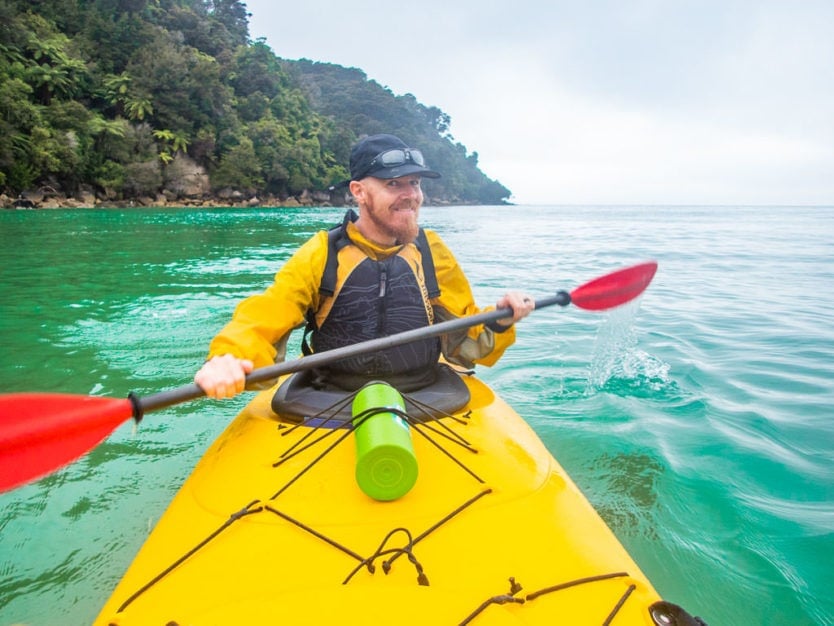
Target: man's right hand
x=223, y=376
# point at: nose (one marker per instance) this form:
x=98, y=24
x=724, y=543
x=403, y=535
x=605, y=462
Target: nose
x=412, y=191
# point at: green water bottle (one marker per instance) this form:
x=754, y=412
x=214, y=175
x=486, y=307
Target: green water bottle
x=386, y=468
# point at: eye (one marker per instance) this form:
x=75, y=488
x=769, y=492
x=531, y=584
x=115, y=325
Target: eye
x=396, y=183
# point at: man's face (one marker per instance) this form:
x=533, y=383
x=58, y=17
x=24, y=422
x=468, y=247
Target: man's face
x=389, y=208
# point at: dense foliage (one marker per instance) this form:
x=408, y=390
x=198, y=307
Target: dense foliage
x=108, y=93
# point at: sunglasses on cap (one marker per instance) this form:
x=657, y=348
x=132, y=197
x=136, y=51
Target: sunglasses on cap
x=394, y=158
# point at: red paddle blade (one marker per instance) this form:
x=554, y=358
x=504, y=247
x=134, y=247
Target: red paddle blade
x=42, y=432
x=614, y=289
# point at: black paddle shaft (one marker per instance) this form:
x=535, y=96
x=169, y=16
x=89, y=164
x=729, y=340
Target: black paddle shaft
x=192, y=391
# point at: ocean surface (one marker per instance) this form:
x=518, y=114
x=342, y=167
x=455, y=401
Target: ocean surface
x=699, y=420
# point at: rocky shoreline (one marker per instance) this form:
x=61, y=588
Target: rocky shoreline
x=48, y=198
x=186, y=184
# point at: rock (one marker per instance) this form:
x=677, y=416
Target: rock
x=230, y=195
x=320, y=198
x=108, y=194
x=270, y=201
x=33, y=196
x=86, y=198
x=53, y=190
x=23, y=203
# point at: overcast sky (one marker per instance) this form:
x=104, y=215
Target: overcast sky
x=643, y=101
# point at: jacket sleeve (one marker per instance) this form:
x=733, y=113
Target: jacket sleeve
x=262, y=323
x=478, y=344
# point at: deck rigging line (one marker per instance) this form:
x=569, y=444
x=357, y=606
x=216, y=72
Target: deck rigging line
x=515, y=588
x=255, y=506
x=424, y=428
x=247, y=510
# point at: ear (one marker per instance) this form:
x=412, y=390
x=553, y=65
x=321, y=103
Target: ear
x=357, y=189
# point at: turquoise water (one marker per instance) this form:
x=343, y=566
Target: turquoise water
x=698, y=420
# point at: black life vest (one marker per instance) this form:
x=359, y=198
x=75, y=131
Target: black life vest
x=376, y=299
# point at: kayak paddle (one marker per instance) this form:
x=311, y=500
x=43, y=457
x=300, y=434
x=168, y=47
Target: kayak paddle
x=42, y=432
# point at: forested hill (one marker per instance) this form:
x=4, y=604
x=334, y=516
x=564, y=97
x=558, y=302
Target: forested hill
x=170, y=100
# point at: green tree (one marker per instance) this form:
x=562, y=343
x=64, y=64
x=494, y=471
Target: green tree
x=18, y=116
x=239, y=169
x=50, y=66
x=171, y=143
x=104, y=92
x=109, y=135
x=138, y=108
x=233, y=17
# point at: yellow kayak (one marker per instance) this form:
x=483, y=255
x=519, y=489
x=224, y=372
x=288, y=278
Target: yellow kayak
x=272, y=528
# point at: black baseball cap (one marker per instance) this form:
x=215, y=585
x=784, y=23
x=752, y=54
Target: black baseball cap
x=386, y=156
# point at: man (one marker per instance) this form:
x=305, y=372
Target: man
x=380, y=265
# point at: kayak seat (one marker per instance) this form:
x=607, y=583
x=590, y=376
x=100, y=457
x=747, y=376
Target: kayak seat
x=297, y=400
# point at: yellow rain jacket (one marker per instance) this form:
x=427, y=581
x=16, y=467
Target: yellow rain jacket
x=262, y=323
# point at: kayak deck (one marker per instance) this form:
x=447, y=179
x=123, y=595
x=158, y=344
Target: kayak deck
x=272, y=527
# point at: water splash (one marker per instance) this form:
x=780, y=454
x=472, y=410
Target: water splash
x=617, y=365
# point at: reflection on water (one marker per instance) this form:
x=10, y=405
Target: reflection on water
x=629, y=484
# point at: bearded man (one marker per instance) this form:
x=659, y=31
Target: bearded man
x=375, y=275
